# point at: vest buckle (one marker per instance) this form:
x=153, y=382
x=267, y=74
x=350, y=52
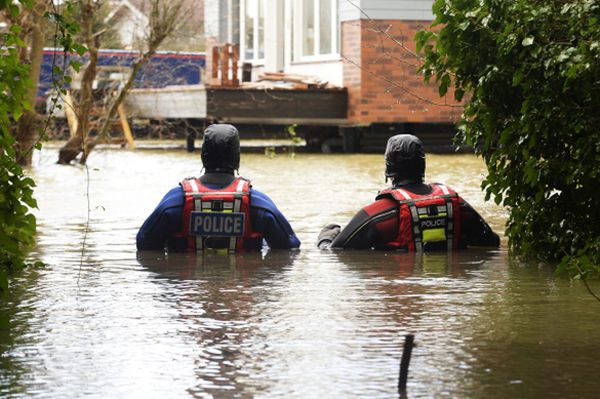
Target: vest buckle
x=217, y=205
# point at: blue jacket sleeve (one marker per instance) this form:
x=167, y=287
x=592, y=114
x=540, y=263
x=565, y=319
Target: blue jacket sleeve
x=162, y=223
x=270, y=222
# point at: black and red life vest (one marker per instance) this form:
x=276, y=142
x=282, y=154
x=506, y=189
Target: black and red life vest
x=426, y=221
x=218, y=218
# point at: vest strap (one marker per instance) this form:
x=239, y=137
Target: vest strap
x=450, y=224
x=198, y=207
x=237, y=205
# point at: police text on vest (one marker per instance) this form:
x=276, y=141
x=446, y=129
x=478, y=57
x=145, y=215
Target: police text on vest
x=217, y=224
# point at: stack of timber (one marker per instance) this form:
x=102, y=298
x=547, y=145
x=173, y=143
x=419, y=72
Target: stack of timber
x=280, y=80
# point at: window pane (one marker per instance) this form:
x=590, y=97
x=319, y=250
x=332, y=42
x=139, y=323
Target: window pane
x=249, y=34
x=235, y=21
x=293, y=22
x=308, y=27
x=261, y=29
x=325, y=21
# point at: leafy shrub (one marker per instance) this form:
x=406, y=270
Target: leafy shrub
x=17, y=224
x=531, y=73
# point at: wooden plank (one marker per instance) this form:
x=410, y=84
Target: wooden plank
x=170, y=102
x=288, y=104
x=125, y=126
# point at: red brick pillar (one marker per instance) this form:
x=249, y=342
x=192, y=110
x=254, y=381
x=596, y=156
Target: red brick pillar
x=352, y=59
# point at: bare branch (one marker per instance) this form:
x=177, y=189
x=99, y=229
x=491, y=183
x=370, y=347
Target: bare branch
x=384, y=32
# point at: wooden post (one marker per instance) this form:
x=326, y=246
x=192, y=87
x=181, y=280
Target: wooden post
x=125, y=126
x=235, y=55
x=215, y=63
x=406, y=352
x=70, y=114
x=225, y=65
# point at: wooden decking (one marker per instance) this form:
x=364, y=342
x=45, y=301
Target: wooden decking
x=321, y=106
x=277, y=106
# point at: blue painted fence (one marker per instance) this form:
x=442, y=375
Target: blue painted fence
x=164, y=68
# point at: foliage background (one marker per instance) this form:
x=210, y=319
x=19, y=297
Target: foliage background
x=531, y=72
x=17, y=223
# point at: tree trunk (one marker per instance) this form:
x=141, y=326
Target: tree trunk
x=27, y=126
x=74, y=146
x=164, y=18
x=115, y=106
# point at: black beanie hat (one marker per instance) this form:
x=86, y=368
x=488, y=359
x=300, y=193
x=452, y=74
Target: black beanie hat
x=404, y=158
x=221, y=148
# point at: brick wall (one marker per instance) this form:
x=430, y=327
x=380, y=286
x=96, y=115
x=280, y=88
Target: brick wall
x=380, y=73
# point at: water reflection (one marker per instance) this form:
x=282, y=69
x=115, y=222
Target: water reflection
x=406, y=264
x=431, y=295
x=216, y=296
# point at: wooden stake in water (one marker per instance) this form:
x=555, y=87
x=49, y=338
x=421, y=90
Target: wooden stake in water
x=404, y=363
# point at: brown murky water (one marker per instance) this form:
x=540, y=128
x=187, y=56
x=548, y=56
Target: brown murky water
x=107, y=322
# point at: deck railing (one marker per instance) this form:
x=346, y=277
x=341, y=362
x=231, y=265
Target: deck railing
x=225, y=65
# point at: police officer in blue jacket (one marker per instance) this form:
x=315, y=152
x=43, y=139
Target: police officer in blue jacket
x=217, y=210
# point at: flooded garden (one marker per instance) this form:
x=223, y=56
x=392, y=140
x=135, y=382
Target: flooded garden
x=102, y=320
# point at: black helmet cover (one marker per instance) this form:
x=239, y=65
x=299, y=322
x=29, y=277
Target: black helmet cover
x=221, y=148
x=405, y=159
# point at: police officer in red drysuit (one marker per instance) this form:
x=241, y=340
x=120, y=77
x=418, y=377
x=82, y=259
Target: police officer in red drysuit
x=411, y=215
x=219, y=199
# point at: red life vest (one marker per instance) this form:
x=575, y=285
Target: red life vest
x=431, y=220
x=218, y=218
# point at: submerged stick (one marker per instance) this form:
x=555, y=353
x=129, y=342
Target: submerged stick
x=404, y=363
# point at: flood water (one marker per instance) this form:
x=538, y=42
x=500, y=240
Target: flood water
x=102, y=321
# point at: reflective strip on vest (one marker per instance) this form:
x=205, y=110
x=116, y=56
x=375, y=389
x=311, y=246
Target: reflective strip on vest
x=444, y=188
x=450, y=226
x=194, y=185
x=240, y=186
x=417, y=235
x=237, y=205
x=198, y=205
x=404, y=193
x=450, y=217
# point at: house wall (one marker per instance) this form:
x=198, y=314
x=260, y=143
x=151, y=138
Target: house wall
x=377, y=62
x=416, y=10
x=215, y=26
x=380, y=68
x=131, y=27
x=129, y=33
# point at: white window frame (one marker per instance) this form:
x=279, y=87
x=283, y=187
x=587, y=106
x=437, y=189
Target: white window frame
x=230, y=21
x=297, y=34
x=255, y=59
